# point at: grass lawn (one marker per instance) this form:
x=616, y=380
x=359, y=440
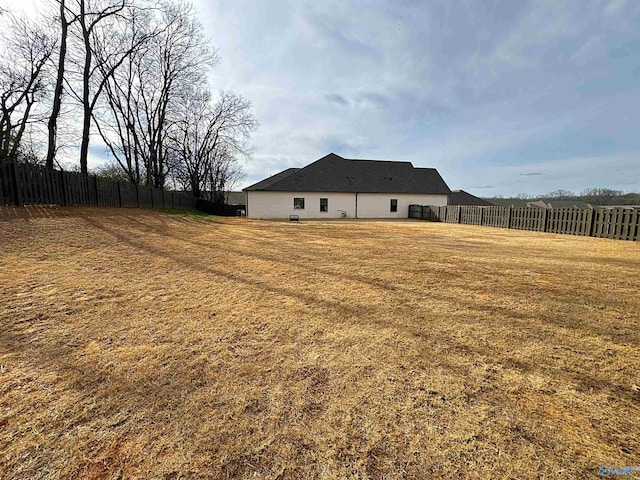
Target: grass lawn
x=138, y=344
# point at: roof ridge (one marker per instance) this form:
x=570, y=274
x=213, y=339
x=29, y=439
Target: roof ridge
x=379, y=161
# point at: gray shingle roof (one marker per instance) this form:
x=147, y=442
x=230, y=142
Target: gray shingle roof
x=460, y=197
x=267, y=182
x=333, y=173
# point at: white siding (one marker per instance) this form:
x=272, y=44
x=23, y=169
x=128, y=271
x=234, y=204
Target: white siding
x=369, y=205
x=378, y=205
x=280, y=204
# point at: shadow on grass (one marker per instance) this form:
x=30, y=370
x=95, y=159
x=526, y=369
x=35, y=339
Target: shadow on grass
x=369, y=314
x=302, y=261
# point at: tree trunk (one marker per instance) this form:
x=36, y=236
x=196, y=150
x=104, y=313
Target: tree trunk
x=86, y=94
x=57, y=95
x=84, y=146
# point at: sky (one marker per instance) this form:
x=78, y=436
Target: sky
x=502, y=97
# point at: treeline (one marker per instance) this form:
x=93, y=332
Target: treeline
x=133, y=73
x=593, y=196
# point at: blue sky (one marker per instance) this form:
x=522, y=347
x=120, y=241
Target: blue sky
x=502, y=97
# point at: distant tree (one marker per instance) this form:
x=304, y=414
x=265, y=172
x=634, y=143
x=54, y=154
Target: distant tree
x=600, y=196
x=630, y=198
x=560, y=195
x=224, y=175
x=524, y=196
x=30, y=150
x=112, y=171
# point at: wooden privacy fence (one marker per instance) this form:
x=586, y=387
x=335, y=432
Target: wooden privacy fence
x=470, y=215
x=528, y=218
x=495, y=217
x=621, y=223
x=22, y=184
x=573, y=221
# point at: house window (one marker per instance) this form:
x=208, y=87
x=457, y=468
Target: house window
x=298, y=203
x=324, y=204
x=394, y=205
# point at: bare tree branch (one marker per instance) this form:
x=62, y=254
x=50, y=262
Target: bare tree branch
x=23, y=80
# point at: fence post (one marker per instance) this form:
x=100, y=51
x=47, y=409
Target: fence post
x=63, y=189
x=591, y=227
x=544, y=223
x=459, y=209
x=95, y=189
x=509, y=217
x=17, y=184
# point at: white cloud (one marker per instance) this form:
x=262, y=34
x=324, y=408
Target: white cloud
x=613, y=7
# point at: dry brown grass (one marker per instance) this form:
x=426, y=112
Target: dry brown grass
x=136, y=344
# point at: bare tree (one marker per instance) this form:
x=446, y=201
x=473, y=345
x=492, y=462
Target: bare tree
x=117, y=120
x=23, y=82
x=223, y=175
x=140, y=94
x=208, y=138
x=106, y=43
x=191, y=140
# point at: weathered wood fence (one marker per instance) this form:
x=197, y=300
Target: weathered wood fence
x=621, y=223
x=22, y=184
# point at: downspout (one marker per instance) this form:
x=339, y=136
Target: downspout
x=356, y=204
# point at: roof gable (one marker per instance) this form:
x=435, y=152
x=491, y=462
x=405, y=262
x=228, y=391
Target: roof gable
x=333, y=173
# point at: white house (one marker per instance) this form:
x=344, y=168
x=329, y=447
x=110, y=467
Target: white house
x=335, y=187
